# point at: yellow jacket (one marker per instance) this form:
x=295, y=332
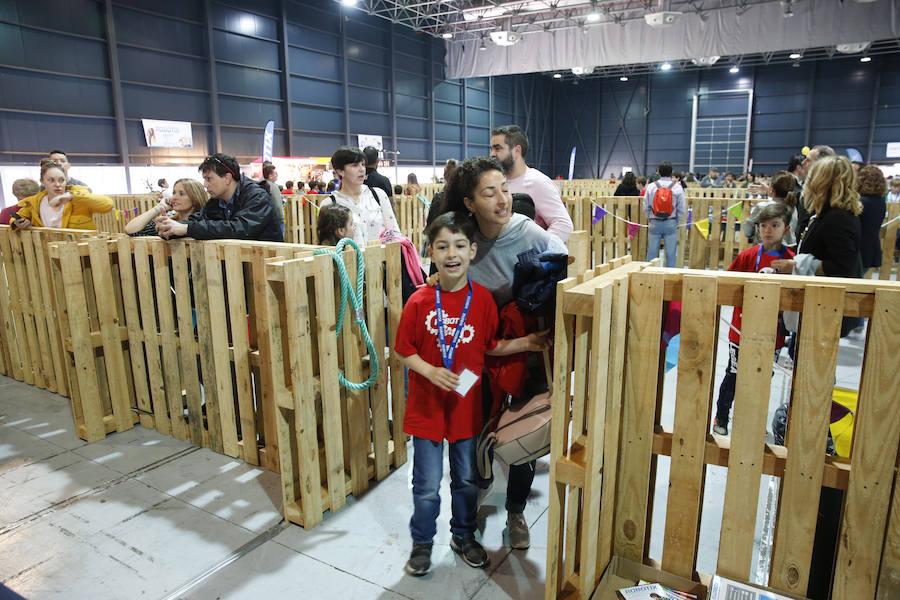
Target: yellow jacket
x=77, y=212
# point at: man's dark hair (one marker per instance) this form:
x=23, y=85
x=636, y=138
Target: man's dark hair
x=524, y=205
x=514, y=137
x=267, y=169
x=464, y=181
x=345, y=155
x=161, y=182
x=398, y=190
x=57, y=152
x=664, y=169
x=677, y=175
x=371, y=154
x=328, y=188
x=221, y=164
x=289, y=184
x=456, y=222
x=795, y=161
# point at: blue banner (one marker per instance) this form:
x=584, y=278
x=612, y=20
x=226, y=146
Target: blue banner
x=268, y=141
x=572, y=163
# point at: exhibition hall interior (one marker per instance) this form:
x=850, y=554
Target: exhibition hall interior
x=449, y=299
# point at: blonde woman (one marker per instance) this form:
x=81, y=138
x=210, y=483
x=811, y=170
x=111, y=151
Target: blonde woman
x=188, y=197
x=60, y=205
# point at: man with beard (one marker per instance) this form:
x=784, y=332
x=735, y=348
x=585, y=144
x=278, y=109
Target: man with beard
x=509, y=145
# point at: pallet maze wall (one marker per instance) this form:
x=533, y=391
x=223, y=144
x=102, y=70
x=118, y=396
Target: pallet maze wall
x=228, y=344
x=608, y=368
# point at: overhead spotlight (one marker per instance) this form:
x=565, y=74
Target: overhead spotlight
x=865, y=59
x=577, y=70
x=788, y=11
x=662, y=19
x=665, y=66
x=593, y=17
x=447, y=35
x=734, y=69
x=705, y=60
x=505, y=38
x=557, y=76
x=482, y=46
x=348, y=2
x=795, y=64
x=852, y=48
x=794, y=55
x=623, y=78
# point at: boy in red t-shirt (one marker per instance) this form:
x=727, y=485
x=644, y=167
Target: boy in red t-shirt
x=443, y=335
x=773, y=225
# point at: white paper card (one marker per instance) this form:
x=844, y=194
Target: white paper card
x=466, y=380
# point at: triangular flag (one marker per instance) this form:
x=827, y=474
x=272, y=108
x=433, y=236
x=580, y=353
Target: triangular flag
x=690, y=216
x=599, y=213
x=703, y=228
x=117, y=214
x=737, y=210
x=633, y=228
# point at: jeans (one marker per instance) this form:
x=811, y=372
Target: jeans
x=428, y=462
x=726, y=389
x=668, y=231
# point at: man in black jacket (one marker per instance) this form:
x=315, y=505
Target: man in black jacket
x=373, y=177
x=238, y=208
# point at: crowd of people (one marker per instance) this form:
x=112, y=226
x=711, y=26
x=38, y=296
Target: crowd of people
x=821, y=217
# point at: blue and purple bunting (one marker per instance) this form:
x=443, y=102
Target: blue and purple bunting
x=599, y=213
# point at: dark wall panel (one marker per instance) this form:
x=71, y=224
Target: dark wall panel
x=51, y=52
x=158, y=31
x=164, y=69
x=41, y=92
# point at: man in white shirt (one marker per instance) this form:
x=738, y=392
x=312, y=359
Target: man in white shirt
x=509, y=145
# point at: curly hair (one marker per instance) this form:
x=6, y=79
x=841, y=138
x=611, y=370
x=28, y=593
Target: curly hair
x=464, y=181
x=832, y=183
x=871, y=181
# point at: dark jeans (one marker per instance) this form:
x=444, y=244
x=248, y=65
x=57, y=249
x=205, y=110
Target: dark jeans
x=726, y=389
x=428, y=462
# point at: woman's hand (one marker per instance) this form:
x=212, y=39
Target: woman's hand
x=60, y=200
x=783, y=265
x=433, y=280
x=22, y=224
x=444, y=379
x=163, y=207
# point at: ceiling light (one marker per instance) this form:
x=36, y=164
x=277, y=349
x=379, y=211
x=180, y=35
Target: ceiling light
x=557, y=76
x=348, y=2
x=794, y=55
x=577, y=70
x=593, y=17
x=734, y=69
x=482, y=46
x=851, y=48
x=623, y=78
x=796, y=64
x=865, y=59
x=705, y=60
x=662, y=19
x=665, y=66
x=505, y=38
x=447, y=36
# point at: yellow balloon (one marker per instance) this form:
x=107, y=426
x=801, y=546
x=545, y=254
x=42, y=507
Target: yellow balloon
x=805, y=150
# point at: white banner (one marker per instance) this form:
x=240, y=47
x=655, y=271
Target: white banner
x=167, y=134
x=370, y=140
x=893, y=150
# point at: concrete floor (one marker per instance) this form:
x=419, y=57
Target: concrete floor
x=141, y=515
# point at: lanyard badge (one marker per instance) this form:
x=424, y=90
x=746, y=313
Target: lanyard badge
x=447, y=352
x=759, y=255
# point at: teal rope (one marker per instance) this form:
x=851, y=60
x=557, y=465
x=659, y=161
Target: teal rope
x=356, y=299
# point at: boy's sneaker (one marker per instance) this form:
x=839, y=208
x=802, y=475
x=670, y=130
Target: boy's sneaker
x=517, y=528
x=470, y=551
x=720, y=426
x=419, y=560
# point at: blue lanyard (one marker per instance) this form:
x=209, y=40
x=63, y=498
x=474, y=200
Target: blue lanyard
x=759, y=255
x=448, y=351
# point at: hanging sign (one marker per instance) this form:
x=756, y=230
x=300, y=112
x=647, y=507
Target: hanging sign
x=572, y=163
x=268, y=141
x=167, y=134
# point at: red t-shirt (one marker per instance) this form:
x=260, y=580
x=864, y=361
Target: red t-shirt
x=746, y=263
x=432, y=413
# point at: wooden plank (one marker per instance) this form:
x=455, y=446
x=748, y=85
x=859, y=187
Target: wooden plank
x=27, y=335
x=48, y=295
x=169, y=345
x=889, y=240
x=889, y=576
x=638, y=411
x=85, y=372
x=728, y=255
x=207, y=349
x=328, y=373
x=577, y=400
x=237, y=309
x=151, y=337
x=696, y=369
x=261, y=319
x=759, y=326
x=562, y=365
x=715, y=234
x=36, y=274
x=8, y=306
x=135, y=333
x=817, y=353
x=357, y=400
x=378, y=393
x=299, y=331
x=876, y=436
x=187, y=343
x=109, y=329
x=394, y=289
x=221, y=361
x=699, y=245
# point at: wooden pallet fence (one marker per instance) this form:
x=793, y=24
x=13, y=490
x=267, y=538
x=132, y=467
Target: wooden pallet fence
x=334, y=441
x=30, y=345
x=411, y=212
x=124, y=206
x=300, y=217
x=608, y=365
x=888, y=236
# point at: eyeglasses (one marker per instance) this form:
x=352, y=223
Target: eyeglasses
x=215, y=158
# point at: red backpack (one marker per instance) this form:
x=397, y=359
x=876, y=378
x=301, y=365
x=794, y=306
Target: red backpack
x=663, y=206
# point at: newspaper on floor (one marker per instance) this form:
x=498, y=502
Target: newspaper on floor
x=727, y=589
x=653, y=591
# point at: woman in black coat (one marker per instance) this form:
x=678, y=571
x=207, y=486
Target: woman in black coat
x=628, y=187
x=872, y=189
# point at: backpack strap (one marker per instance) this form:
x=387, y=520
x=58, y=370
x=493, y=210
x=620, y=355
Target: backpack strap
x=371, y=189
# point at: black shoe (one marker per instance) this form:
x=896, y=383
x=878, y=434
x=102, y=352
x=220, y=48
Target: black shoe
x=419, y=560
x=470, y=551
